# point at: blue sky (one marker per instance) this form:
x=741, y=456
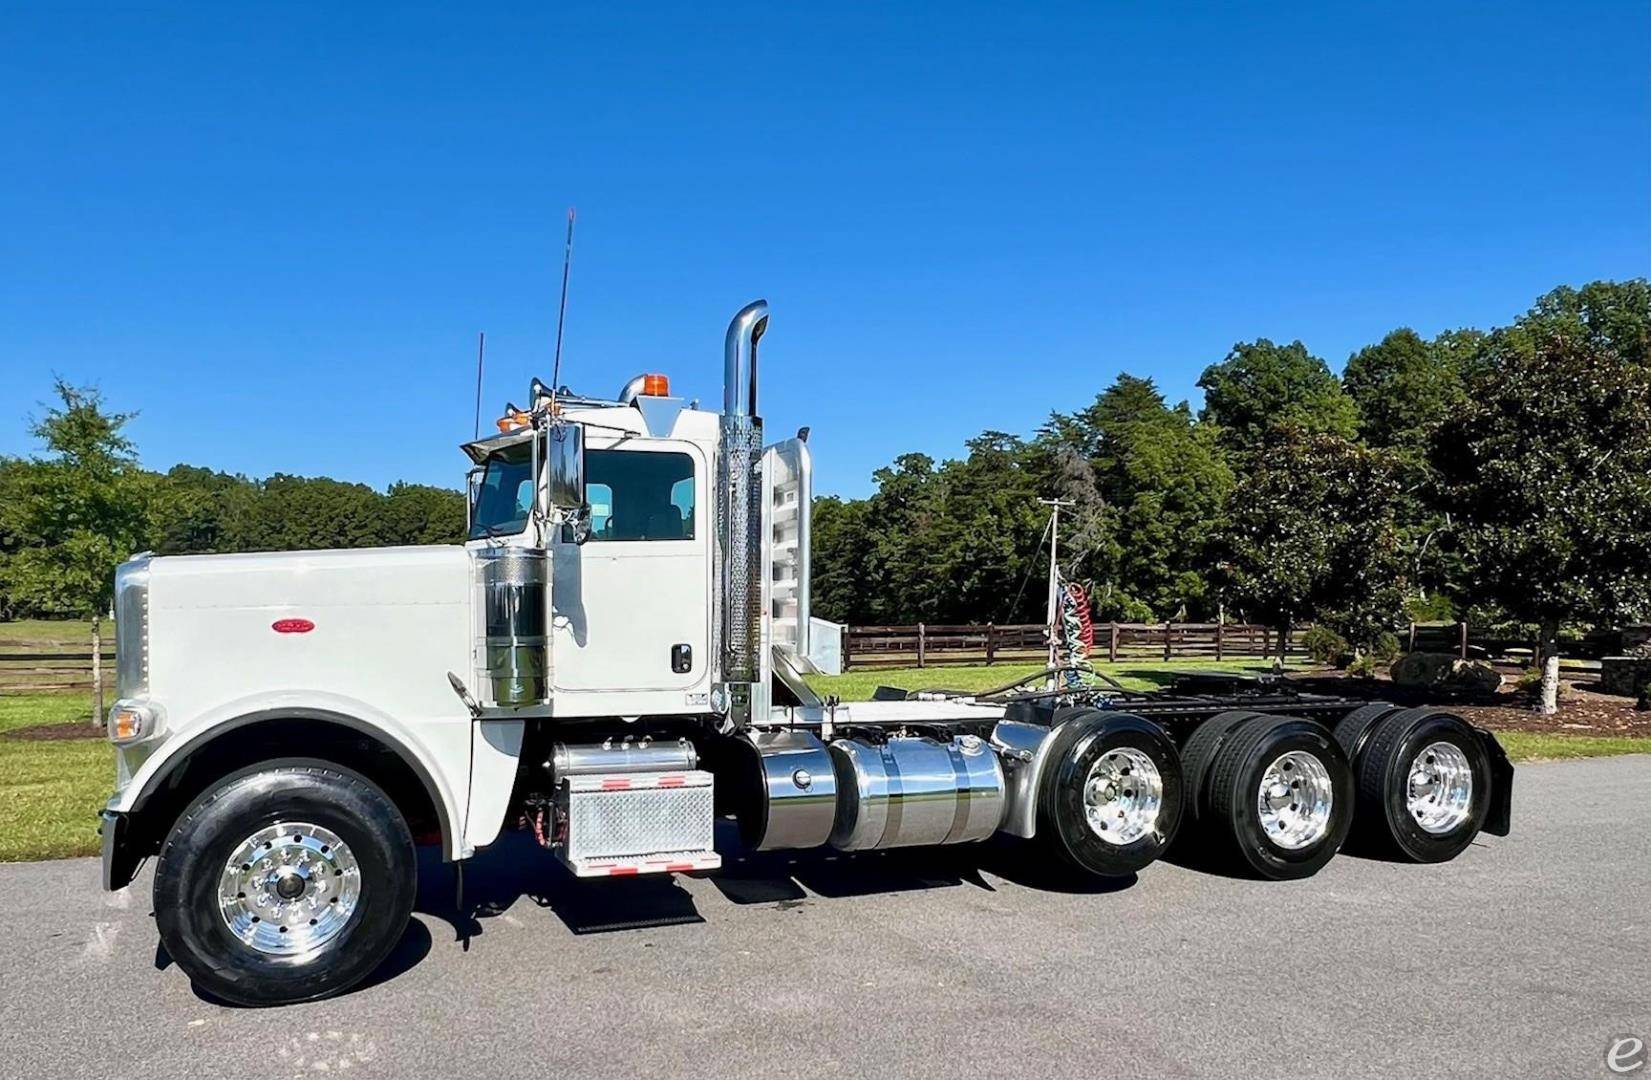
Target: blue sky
x=275, y=230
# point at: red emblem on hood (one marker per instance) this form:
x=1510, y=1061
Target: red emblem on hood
x=292, y=626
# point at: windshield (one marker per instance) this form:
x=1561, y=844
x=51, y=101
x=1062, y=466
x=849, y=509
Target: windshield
x=505, y=494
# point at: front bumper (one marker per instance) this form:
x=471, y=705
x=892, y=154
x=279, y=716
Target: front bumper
x=120, y=861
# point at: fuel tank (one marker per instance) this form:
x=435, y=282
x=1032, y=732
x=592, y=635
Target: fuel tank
x=912, y=790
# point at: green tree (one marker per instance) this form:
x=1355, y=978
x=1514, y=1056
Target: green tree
x=195, y=511
x=1404, y=385
x=1311, y=534
x=1261, y=385
x=1547, y=464
x=421, y=514
x=1148, y=484
x=72, y=515
x=839, y=556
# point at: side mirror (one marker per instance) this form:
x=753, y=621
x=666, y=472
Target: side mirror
x=472, y=488
x=565, y=467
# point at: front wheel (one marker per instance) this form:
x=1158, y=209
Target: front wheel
x=288, y=884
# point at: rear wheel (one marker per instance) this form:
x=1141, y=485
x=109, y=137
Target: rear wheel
x=1424, y=785
x=1353, y=730
x=1111, y=798
x=287, y=884
x=1281, y=796
x=1198, y=755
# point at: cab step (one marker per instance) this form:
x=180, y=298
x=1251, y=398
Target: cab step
x=674, y=862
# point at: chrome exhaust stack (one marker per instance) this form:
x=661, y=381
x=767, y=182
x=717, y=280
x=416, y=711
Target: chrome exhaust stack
x=739, y=517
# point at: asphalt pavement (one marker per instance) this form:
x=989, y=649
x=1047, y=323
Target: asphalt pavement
x=1525, y=957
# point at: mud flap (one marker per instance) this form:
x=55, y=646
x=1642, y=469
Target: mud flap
x=1499, y=818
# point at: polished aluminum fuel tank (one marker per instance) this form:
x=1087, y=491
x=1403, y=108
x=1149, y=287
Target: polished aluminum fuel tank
x=913, y=790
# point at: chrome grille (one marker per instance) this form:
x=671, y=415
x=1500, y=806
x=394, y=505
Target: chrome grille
x=132, y=628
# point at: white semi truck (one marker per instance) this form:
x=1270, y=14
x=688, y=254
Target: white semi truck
x=614, y=660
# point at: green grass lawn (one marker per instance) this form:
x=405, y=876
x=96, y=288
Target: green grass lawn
x=27, y=631
x=50, y=792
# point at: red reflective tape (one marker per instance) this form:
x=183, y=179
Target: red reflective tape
x=292, y=626
x=621, y=871
x=672, y=781
x=618, y=784
x=678, y=866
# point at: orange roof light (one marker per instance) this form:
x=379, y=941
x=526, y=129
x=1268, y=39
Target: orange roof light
x=656, y=386
x=514, y=420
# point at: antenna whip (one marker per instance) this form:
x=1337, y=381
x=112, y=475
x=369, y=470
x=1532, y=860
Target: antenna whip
x=481, y=350
x=562, y=310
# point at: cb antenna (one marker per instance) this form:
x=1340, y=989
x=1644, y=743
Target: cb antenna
x=562, y=310
x=481, y=351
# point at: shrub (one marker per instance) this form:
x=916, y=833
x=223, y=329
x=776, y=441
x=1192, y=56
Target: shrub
x=1364, y=665
x=1326, y=646
x=1385, y=649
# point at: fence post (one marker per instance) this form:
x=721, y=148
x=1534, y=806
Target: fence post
x=1169, y=649
x=1220, y=640
x=1412, y=636
x=1462, y=638
x=1112, y=645
x=990, y=645
x=922, y=643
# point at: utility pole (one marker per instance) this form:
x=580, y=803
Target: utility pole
x=1054, y=576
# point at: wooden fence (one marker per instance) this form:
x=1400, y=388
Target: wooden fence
x=38, y=666
x=926, y=645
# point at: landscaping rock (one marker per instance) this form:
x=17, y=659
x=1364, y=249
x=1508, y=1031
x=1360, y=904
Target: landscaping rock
x=1625, y=675
x=1442, y=671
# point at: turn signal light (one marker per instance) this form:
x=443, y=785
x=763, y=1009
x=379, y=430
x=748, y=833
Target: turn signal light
x=130, y=721
x=656, y=386
x=514, y=421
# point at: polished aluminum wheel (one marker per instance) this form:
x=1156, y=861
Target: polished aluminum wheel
x=1295, y=800
x=1123, y=795
x=289, y=889
x=1439, y=788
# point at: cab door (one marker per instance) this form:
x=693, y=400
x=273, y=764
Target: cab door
x=631, y=606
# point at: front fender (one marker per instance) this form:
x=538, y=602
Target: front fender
x=443, y=782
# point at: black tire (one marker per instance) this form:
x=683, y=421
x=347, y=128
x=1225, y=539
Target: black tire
x=1062, y=822
x=1236, y=780
x=1385, y=820
x=195, y=854
x=1199, y=754
x=1353, y=730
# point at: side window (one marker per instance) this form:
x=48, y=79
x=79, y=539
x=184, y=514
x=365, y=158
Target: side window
x=639, y=495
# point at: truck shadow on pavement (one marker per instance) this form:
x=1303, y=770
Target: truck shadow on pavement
x=517, y=869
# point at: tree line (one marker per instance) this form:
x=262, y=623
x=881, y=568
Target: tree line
x=1500, y=475
x=70, y=515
